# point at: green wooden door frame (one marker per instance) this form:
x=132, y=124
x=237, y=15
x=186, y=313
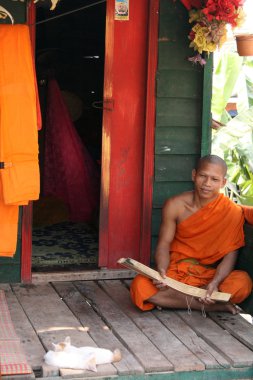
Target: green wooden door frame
x=206, y=137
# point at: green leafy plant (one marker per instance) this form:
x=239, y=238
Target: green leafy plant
x=233, y=76
x=234, y=143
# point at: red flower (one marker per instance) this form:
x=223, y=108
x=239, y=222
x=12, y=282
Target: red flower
x=210, y=10
x=238, y=3
x=191, y=35
x=222, y=10
x=196, y=4
x=189, y=4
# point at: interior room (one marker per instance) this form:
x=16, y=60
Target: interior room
x=70, y=71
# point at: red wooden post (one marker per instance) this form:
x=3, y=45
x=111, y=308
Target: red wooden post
x=106, y=137
x=148, y=175
x=26, y=234
x=26, y=246
x=124, y=135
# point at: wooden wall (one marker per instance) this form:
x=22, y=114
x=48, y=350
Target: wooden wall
x=17, y=9
x=182, y=110
x=10, y=267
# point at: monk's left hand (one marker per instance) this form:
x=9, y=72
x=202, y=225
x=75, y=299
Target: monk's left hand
x=211, y=287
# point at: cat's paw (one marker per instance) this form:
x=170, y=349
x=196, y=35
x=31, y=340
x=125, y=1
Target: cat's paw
x=116, y=355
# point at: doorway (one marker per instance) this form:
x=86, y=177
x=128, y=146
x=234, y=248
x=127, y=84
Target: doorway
x=70, y=50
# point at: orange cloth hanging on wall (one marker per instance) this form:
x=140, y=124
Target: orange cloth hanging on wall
x=19, y=169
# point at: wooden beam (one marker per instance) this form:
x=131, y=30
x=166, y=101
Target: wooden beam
x=148, y=170
x=103, y=274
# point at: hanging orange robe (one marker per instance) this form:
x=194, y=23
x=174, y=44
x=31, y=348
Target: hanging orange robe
x=19, y=169
x=200, y=242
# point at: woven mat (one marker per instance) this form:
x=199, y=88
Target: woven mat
x=64, y=244
x=12, y=357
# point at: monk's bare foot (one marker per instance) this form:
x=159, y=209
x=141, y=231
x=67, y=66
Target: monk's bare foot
x=233, y=309
x=226, y=307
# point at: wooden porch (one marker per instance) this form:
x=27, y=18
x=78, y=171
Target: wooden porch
x=158, y=344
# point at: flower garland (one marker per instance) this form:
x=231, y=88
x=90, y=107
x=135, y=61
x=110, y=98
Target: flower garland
x=209, y=19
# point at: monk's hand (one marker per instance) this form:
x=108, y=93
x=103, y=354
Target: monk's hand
x=211, y=287
x=160, y=284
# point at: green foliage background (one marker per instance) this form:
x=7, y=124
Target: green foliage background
x=234, y=142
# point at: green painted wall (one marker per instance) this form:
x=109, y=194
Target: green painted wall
x=183, y=119
x=17, y=9
x=10, y=267
x=182, y=110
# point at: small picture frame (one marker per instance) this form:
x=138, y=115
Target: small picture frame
x=121, y=10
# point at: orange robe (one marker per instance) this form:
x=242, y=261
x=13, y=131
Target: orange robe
x=19, y=169
x=201, y=241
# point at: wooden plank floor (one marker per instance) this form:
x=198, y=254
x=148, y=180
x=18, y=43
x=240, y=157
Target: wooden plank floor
x=157, y=344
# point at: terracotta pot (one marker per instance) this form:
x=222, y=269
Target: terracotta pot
x=245, y=44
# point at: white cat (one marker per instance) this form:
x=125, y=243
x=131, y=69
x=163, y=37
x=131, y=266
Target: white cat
x=67, y=356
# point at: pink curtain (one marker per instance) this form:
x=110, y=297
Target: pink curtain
x=69, y=171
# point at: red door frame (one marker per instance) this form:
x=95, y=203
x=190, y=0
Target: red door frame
x=148, y=156
x=26, y=230
x=106, y=133
x=148, y=173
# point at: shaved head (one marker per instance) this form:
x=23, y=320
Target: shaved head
x=212, y=159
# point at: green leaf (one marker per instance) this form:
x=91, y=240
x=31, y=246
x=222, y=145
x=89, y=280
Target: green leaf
x=224, y=79
x=235, y=144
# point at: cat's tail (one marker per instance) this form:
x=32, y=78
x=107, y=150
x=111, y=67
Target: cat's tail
x=116, y=355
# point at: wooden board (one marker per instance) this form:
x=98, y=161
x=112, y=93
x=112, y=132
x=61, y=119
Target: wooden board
x=210, y=357
x=98, y=304
x=30, y=342
x=172, y=85
x=169, y=140
x=179, y=286
x=98, y=330
x=169, y=112
x=53, y=320
x=235, y=352
x=174, y=167
x=164, y=190
x=52, y=312
x=243, y=331
x=102, y=274
x=138, y=344
x=154, y=330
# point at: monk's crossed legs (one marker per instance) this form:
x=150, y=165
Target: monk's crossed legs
x=145, y=294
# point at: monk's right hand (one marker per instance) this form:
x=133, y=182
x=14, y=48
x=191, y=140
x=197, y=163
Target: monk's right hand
x=211, y=287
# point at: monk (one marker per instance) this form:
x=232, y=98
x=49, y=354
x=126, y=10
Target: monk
x=199, y=238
